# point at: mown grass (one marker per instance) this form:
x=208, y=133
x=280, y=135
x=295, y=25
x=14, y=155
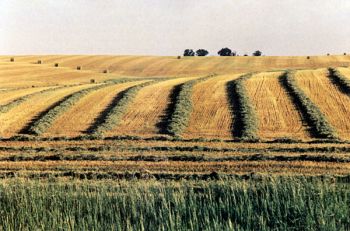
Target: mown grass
x=268, y=204
x=183, y=106
x=245, y=124
x=319, y=125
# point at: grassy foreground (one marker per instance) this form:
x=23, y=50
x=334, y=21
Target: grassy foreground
x=271, y=204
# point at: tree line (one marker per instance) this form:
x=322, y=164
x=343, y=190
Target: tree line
x=222, y=52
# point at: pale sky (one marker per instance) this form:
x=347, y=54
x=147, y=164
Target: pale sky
x=167, y=27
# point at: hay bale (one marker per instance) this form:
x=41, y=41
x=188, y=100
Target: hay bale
x=40, y=62
x=308, y=57
x=92, y=81
x=178, y=57
x=56, y=64
x=78, y=68
x=328, y=54
x=344, y=53
x=105, y=71
x=12, y=59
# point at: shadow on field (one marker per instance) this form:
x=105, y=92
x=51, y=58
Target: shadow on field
x=165, y=120
x=237, y=125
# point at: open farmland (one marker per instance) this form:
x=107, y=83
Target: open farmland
x=153, y=134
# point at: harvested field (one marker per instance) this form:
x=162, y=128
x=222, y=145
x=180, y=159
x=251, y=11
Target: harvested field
x=278, y=116
x=146, y=112
x=332, y=102
x=17, y=118
x=187, y=66
x=26, y=75
x=81, y=116
x=211, y=116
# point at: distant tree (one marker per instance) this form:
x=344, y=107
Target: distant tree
x=226, y=52
x=202, y=52
x=189, y=52
x=245, y=54
x=257, y=53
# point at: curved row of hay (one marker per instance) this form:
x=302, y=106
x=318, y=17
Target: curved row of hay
x=16, y=119
x=186, y=66
x=333, y=103
x=211, y=116
x=149, y=108
x=78, y=119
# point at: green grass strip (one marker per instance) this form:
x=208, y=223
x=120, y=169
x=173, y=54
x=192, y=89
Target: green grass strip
x=114, y=113
x=47, y=118
x=246, y=121
x=320, y=127
x=183, y=107
x=340, y=80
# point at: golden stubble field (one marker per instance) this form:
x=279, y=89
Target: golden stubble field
x=136, y=140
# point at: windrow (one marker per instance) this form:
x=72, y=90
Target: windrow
x=46, y=119
x=245, y=125
x=112, y=115
x=320, y=127
x=182, y=107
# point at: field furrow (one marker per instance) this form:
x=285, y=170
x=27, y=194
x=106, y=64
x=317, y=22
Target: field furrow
x=13, y=121
x=278, y=116
x=81, y=116
x=145, y=114
x=211, y=116
x=334, y=104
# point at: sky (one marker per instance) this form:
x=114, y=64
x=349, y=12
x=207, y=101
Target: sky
x=167, y=27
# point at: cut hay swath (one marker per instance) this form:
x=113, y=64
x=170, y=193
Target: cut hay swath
x=211, y=117
x=332, y=102
x=18, y=118
x=319, y=125
x=112, y=116
x=148, y=112
x=47, y=118
x=183, y=107
x=77, y=120
x=245, y=125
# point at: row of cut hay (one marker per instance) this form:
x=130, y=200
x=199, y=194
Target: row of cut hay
x=339, y=79
x=7, y=107
x=45, y=120
x=113, y=114
x=246, y=121
x=320, y=127
x=182, y=107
